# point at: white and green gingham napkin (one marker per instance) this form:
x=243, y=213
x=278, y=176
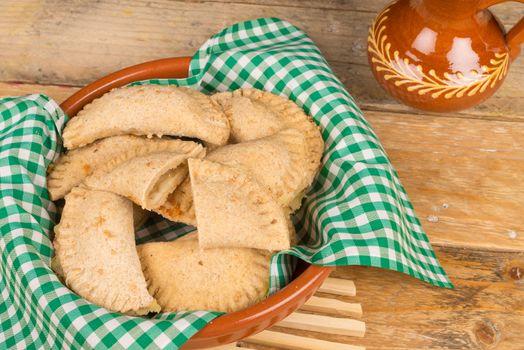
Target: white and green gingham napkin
x=356, y=213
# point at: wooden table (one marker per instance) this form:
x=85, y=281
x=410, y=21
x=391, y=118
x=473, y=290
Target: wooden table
x=463, y=171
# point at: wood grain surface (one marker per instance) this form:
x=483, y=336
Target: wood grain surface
x=484, y=311
x=465, y=176
x=62, y=42
x=463, y=171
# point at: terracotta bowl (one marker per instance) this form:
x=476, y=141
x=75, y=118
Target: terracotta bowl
x=237, y=325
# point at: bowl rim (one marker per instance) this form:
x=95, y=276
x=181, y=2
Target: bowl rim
x=276, y=305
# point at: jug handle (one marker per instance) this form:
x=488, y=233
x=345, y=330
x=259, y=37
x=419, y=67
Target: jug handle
x=515, y=36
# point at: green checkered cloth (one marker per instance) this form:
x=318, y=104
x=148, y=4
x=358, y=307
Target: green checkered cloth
x=356, y=213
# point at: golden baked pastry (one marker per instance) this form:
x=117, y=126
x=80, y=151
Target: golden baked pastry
x=179, y=206
x=148, y=110
x=240, y=195
x=71, y=168
x=254, y=114
x=233, y=210
x=280, y=163
x=146, y=180
x=95, y=248
x=183, y=277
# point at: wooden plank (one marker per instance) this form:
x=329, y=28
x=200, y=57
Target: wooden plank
x=339, y=5
x=58, y=93
x=324, y=324
x=293, y=342
x=484, y=311
x=507, y=13
x=332, y=306
x=80, y=29
x=57, y=42
x=338, y=286
x=464, y=176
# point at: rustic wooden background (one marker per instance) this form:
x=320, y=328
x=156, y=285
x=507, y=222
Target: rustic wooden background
x=463, y=171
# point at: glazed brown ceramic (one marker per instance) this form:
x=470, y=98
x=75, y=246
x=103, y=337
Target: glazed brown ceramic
x=441, y=55
x=237, y=325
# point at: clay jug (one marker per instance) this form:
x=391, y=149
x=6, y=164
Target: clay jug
x=441, y=55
